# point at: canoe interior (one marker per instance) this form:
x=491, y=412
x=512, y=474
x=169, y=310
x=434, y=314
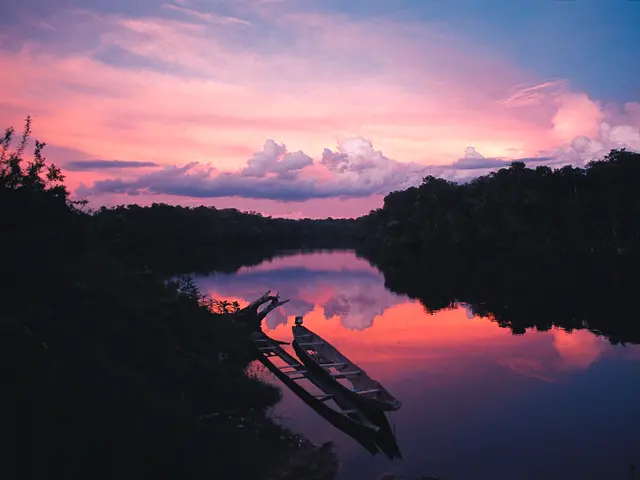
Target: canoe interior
x=342, y=369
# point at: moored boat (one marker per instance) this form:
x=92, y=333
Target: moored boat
x=320, y=356
x=329, y=402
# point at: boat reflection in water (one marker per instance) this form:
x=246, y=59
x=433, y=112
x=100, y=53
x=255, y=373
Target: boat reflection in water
x=369, y=427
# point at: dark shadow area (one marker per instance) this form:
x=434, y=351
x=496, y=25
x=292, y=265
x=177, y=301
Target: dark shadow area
x=110, y=370
x=173, y=239
x=569, y=292
x=528, y=247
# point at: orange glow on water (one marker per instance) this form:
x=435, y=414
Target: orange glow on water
x=405, y=339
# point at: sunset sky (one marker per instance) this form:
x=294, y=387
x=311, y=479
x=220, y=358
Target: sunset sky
x=314, y=108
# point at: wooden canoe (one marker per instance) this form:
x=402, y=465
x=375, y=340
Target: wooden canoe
x=320, y=356
x=330, y=403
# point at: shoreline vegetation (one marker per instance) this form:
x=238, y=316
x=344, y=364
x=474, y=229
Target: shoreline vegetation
x=114, y=370
x=529, y=248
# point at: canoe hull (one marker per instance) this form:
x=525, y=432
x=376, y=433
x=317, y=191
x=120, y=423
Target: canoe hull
x=364, y=433
x=370, y=403
x=370, y=428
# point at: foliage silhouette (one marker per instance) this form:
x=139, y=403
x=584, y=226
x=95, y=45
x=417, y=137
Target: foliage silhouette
x=112, y=370
x=528, y=247
x=174, y=238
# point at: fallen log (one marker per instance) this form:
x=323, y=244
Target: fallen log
x=253, y=316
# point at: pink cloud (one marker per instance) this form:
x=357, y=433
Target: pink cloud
x=576, y=115
x=356, y=169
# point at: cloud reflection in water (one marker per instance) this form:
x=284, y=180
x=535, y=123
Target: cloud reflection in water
x=351, y=290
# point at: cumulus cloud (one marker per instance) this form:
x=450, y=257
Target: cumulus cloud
x=357, y=305
x=274, y=159
x=355, y=169
x=578, y=349
x=576, y=115
x=577, y=119
x=357, y=164
x=87, y=165
x=354, y=155
x=584, y=149
x=581, y=150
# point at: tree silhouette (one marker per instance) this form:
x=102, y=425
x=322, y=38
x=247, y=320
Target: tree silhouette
x=113, y=369
x=519, y=244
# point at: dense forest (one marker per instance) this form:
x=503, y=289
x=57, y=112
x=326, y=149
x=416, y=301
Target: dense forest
x=528, y=247
x=173, y=238
x=518, y=210
x=111, y=370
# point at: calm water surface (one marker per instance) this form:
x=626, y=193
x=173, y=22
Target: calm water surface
x=478, y=402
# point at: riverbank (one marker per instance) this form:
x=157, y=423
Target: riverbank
x=119, y=373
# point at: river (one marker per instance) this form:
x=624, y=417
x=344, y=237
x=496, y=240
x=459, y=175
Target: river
x=478, y=401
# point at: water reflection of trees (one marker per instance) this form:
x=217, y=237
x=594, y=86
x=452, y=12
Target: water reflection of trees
x=530, y=247
x=519, y=293
x=570, y=292
x=168, y=238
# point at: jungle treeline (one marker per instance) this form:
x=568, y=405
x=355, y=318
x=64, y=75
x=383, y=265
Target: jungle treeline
x=518, y=210
x=530, y=247
x=173, y=238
